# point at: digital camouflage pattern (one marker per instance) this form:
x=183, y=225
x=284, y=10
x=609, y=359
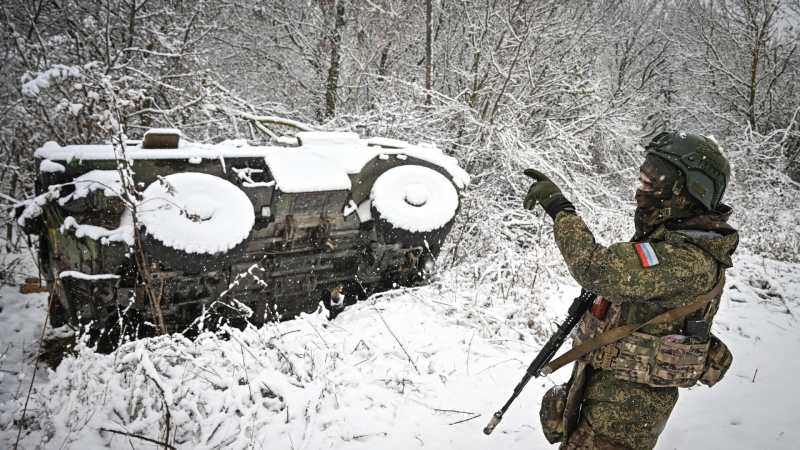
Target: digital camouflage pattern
x=584, y=438
x=690, y=255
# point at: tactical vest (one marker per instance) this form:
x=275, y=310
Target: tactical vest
x=673, y=360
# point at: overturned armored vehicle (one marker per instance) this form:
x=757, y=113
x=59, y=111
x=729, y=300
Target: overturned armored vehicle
x=273, y=230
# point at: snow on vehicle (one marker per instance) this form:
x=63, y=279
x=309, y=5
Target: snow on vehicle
x=317, y=220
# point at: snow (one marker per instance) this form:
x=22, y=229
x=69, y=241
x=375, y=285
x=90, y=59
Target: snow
x=107, y=180
x=389, y=143
x=222, y=161
x=51, y=146
x=50, y=166
x=163, y=131
x=417, y=194
x=123, y=233
x=33, y=207
x=246, y=173
x=304, y=383
x=32, y=87
x=344, y=149
x=397, y=371
x=287, y=140
x=365, y=211
x=307, y=172
x=310, y=383
x=196, y=213
x=350, y=208
x=21, y=321
x=756, y=404
x=414, y=198
x=327, y=139
x=84, y=276
x=75, y=108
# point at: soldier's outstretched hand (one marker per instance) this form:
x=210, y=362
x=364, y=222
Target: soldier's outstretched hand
x=546, y=193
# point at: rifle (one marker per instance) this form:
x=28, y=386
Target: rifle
x=579, y=306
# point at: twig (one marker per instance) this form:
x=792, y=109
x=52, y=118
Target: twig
x=372, y=302
x=357, y=345
x=754, y=375
x=784, y=329
x=512, y=340
x=241, y=344
x=209, y=381
x=139, y=436
x=36, y=365
x=452, y=411
x=465, y=420
x=233, y=284
x=469, y=348
x=361, y=362
x=8, y=347
x=246, y=375
x=320, y=336
x=501, y=362
x=166, y=409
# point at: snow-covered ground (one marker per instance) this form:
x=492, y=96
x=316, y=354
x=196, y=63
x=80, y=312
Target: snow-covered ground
x=424, y=367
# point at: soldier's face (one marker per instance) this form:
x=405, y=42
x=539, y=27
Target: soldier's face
x=646, y=183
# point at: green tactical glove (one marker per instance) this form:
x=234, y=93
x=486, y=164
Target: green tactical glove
x=546, y=193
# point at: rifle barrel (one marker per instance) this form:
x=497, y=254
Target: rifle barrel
x=579, y=306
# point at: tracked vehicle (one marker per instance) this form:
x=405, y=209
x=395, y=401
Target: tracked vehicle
x=324, y=217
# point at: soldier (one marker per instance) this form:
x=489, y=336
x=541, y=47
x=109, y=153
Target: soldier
x=620, y=396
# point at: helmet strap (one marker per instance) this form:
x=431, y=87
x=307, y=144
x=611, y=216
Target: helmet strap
x=676, y=191
x=672, y=212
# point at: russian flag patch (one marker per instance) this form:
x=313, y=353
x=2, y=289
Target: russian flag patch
x=646, y=254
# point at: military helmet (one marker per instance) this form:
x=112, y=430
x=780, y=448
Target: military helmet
x=701, y=161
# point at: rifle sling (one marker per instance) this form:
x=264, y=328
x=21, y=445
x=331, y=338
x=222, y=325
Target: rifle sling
x=620, y=332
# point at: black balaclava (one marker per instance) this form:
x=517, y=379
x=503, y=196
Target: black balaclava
x=655, y=207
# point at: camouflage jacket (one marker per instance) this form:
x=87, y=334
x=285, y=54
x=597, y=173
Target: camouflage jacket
x=669, y=268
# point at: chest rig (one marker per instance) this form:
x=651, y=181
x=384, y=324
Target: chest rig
x=669, y=360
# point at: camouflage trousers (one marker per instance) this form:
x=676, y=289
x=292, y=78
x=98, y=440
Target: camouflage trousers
x=584, y=438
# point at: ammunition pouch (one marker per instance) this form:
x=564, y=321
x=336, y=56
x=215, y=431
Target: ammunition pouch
x=587, y=328
x=551, y=414
x=718, y=362
x=657, y=361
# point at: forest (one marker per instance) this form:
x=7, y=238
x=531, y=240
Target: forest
x=569, y=87
x=574, y=89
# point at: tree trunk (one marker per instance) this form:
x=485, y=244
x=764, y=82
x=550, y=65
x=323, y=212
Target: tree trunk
x=333, y=72
x=9, y=225
x=428, y=52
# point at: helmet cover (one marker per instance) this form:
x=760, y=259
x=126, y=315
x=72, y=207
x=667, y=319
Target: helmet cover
x=706, y=169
